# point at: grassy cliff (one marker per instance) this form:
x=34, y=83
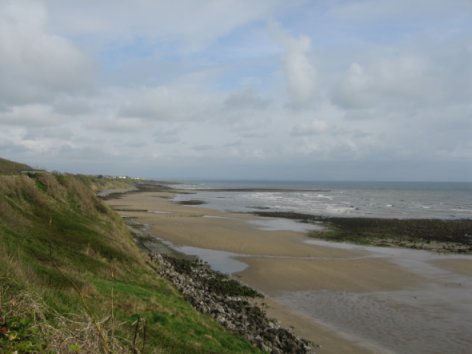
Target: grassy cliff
x=11, y=167
x=72, y=279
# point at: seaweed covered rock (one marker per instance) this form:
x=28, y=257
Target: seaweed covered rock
x=226, y=300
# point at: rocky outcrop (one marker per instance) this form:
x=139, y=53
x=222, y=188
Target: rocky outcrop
x=226, y=300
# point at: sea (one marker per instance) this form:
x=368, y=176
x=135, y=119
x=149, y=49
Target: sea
x=432, y=316
x=401, y=200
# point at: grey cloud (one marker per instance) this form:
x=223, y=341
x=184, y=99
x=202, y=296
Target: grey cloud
x=234, y=144
x=170, y=139
x=50, y=132
x=119, y=125
x=252, y=134
x=351, y=91
x=167, y=135
x=245, y=99
x=356, y=112
x=313, y=128
x=250, y=130
x=87, y=159
x=203, y=147
x=74, y=105
x=167, y=103
x=11, y=148
x=30, y=116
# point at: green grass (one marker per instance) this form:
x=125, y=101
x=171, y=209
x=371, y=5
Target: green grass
x=82, y=283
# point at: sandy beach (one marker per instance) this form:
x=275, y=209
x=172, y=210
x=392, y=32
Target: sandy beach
x=348, y=299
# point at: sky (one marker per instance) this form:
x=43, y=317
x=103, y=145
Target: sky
x=239, y=89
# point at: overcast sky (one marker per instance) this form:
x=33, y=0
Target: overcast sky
x=266, y=89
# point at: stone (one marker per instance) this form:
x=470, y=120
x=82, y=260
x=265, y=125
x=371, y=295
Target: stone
x=211, y=292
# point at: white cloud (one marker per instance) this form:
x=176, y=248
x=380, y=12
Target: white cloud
x=43, y=146
x=402, y=81
x=194, y=24
x=351, y=91
x=167, y=103
x=299, y=69
x=15, y=140
x=34, y=115
x=204, y=84
x=384, y=11
x=34, y=63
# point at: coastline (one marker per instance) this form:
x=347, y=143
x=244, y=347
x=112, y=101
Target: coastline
x=278, y=262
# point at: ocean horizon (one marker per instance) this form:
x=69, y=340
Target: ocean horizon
x=402, y=200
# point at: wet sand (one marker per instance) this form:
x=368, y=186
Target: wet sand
x=348, y=274
x=460, y=266
x=347, y=298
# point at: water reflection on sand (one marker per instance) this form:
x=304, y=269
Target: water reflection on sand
x=433, y=317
